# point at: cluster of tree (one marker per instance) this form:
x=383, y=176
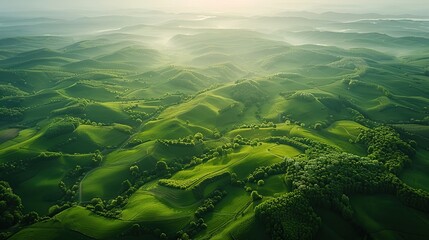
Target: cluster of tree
x=192, y=229
x=12, y=102
x=97, y=158
x=61, y=127
x=289, y=217
x=11, y=214
x=415, y=198
x=136, y=115
x=328, y=175
x=172, y=184
x=10, y=91
x=238, y=139
x=197, y=189
x=294, y=142
x=358, y=117
x=11, y=114
x=209, y=203
x=9, y=169
x=266, y=171
x=353, y=83
x=110, y=209
x=235, y=181
x=187, y=141
x=57, y=208
x=261, y=125
x=162, y=169
x=49, y=155
x=69, y=193
x=385, y=145
x=303, y=96
x=134, y=142
x=10, y=206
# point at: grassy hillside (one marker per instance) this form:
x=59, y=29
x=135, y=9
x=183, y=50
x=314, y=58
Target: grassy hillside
x=186, y=126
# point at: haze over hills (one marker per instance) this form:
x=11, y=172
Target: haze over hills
x=165, y=124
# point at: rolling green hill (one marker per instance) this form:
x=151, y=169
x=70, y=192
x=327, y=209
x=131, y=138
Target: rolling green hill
x=157, y=125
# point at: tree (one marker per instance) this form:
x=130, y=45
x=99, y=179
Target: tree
x=135, y=229
x=261, y=182
x=161, y=166
x=30, y=218
x=126, y=185
x=163, y=236
x=135, y=170
x=255, y=196
x=185, y=236
x=10, y=206
x=317, y=126
x=199, y=136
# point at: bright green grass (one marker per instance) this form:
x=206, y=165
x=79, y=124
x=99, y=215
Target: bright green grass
x=341, y=132
x=273, y=186
x=104, y=136
x=337, y=134
x=168, y=153
x=107, y=113
x=170, y=129
x=154, y=208
x=209, y=110
x=259, y=133
x=245, y=227
x=48, y=230
x=104, y=182
x=308, y=112
x=345, y=129
x=182, y=199
x=85, y=139
x=385, y=217
x=92, y=225
x=23, y=135
x=242, y=162
x=39, y=188
x=228, y=211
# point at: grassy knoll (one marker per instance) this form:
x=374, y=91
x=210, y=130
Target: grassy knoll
x=49, y=230
x=39, y=186
x=8, y=134
x=90, y=224
x=154, y=208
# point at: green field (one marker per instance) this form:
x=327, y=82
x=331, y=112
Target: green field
x=141, y=124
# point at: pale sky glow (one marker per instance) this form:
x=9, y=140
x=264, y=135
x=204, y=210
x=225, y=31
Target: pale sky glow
x=245, y=6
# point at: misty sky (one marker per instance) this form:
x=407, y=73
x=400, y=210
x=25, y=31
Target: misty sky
x=245, y=6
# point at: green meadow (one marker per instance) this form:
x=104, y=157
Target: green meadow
x=159, y=126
